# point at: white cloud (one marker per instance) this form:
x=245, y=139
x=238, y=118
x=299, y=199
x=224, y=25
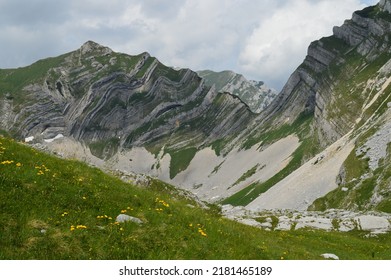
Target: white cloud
x=279, y=44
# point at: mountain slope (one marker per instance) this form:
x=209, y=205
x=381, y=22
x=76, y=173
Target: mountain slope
x=255, y=94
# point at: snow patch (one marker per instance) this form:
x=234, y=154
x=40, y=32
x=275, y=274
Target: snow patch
x=50, y=140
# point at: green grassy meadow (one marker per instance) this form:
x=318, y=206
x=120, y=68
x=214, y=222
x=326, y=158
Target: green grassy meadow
x=52, y=208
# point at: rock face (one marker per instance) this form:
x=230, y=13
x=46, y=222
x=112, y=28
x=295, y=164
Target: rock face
x=327, y=84
x=109, y=100
x=255, y=94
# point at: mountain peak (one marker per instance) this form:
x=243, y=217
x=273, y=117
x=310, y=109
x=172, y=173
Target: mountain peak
x=91, y=46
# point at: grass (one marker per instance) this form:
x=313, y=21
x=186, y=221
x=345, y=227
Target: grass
x=247, y=174
x=145, y=67
x=72, y=208
x=299, y=127
x=180, y=160
x=104, y=149
x=348, y=90
x=12, y=81
x=357, y=193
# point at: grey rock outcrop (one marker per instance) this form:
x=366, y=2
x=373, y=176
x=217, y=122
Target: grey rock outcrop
x=255, y=94
x=385, y=5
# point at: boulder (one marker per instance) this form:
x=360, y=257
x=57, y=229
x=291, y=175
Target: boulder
x=122, y=218
x=330, y=256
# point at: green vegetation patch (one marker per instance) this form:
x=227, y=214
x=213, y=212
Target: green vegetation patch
x=357, y=192
x=180, y=160
x=104, y=149
x=12, y=81
x=298, y=127
x=247, y=174
x=374, y=12
x=145, y=67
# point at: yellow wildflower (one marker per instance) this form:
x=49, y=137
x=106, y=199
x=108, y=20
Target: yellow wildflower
x=81, y=227
x=18, y=164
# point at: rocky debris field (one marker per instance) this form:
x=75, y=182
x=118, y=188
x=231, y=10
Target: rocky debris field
x=330, y=220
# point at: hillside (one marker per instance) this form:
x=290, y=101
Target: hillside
x=57, y=209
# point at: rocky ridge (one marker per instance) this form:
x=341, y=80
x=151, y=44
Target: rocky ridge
x=254, y=93
x=108, y=100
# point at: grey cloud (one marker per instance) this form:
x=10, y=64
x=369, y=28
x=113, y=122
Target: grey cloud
x=196, y=34
x=31, y=14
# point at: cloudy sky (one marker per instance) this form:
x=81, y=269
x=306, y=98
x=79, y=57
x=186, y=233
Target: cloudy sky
x=262, y=39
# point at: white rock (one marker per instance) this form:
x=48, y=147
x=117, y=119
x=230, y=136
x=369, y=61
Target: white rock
x=122, y=218
x=284, y=223
x=29, y=139
x=373, y=223
x=269, y=220
x=314, y=222
x=330, y=256
x=59, y=136
x=346, y=225
x=266, y=225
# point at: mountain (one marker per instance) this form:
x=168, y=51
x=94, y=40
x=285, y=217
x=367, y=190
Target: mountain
x=254, y=93
x=343, y=84
x=108, y=100
x=323, y=142
x=134, y=114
